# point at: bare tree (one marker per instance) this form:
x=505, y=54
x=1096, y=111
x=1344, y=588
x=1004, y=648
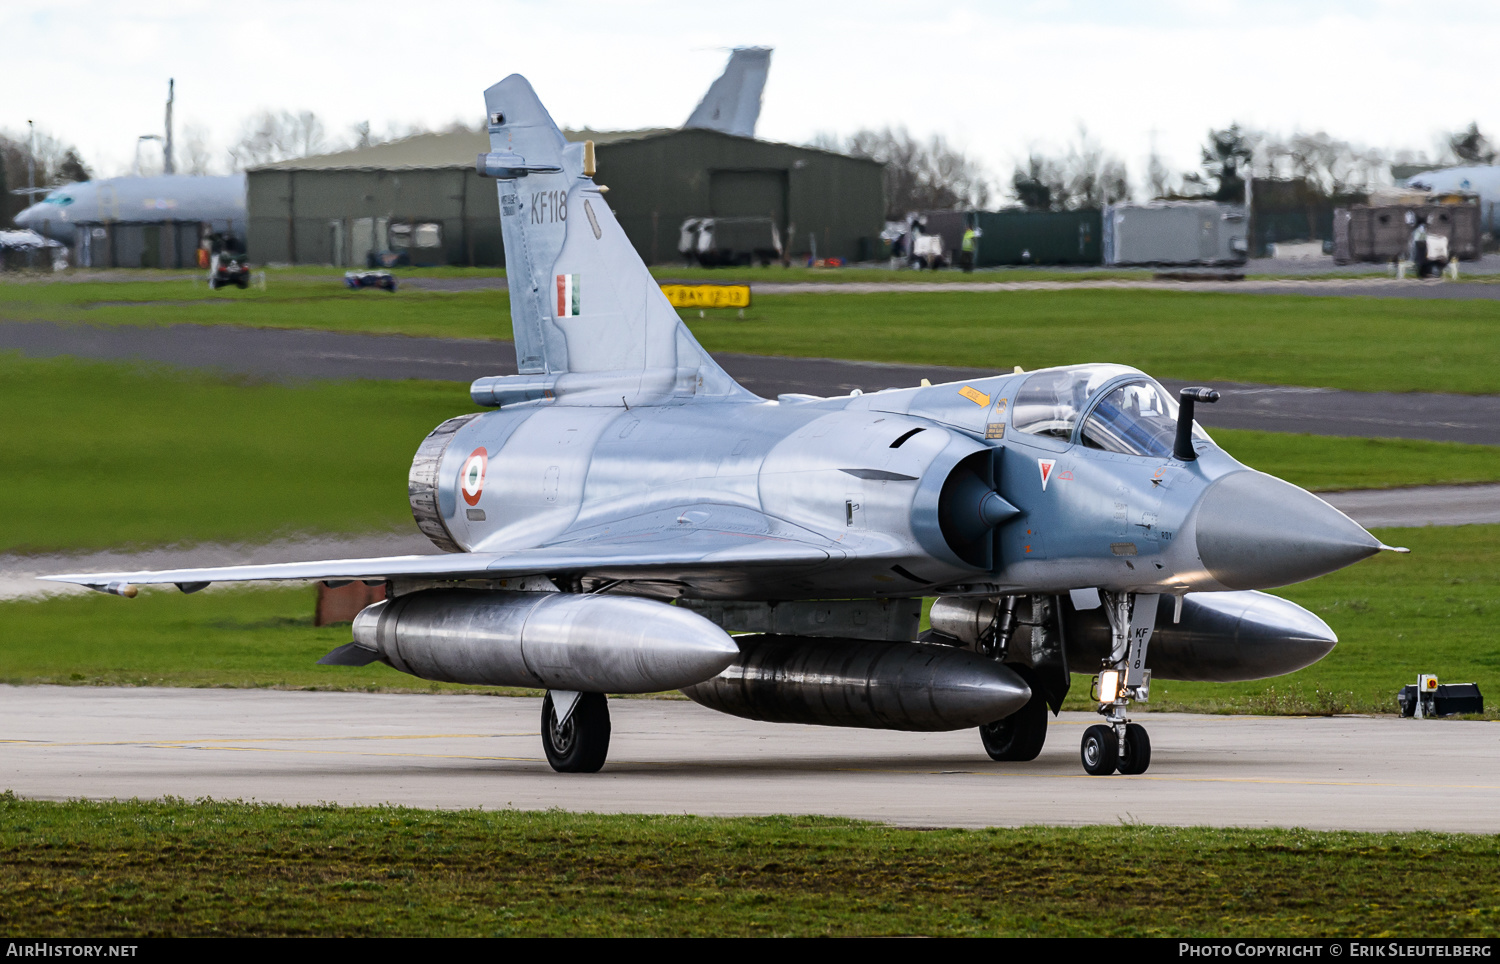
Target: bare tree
x=925, y=175
x=1040, y=185
x=1159, y=180
x=195, y=154
x=1095, y=177
x=1087, y=176
x=54, y=162
x=1330, y=166
x=273, y=136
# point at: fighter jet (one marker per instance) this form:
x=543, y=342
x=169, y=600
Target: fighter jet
x=625, y=518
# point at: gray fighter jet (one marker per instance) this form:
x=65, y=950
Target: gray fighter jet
x=623, y=506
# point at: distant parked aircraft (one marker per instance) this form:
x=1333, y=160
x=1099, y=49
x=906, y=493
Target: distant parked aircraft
x=732, y=104
x=1483, y=181
x=182, y=198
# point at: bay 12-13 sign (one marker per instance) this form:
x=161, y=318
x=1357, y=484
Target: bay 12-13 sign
x=707, y=295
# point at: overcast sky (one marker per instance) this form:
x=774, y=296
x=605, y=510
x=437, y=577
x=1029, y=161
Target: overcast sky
x=996, y=79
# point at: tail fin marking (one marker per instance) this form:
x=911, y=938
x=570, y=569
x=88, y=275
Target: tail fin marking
x=583, y=305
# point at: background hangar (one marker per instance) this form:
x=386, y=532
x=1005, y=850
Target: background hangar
x=422, y=195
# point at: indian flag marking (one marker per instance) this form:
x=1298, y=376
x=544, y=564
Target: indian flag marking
x=567, y=296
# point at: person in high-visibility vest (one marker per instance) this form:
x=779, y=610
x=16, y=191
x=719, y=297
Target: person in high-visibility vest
x=966, y=250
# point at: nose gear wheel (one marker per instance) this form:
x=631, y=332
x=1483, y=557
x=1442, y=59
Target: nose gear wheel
x=580, y=743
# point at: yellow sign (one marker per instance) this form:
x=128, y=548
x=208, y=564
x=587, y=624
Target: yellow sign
x=707, y=296
x=974, y=395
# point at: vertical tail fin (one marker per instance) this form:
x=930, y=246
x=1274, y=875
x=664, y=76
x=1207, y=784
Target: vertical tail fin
x=732, y=104
x=582, y=304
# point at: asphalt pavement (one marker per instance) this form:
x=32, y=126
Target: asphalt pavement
x=1342, y=773
x=287, y=354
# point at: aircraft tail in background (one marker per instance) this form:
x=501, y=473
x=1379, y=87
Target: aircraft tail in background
x=732, y=104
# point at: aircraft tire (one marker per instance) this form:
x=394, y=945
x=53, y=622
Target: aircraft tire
x=1020, y=736
x=582, y=743
x=1137, y=755
x=1100, y=750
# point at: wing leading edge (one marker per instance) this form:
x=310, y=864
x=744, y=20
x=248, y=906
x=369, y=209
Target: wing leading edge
x=618, y=552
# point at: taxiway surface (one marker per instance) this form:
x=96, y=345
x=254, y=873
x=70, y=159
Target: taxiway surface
x=1354, y=773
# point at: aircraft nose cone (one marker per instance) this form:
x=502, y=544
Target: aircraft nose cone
x=1258, y=532
x=25, y=217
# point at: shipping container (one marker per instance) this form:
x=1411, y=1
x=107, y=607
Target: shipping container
x=1367, y=233
x=1175, y=233
x=1037, y=237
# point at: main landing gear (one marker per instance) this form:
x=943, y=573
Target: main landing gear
x=575, y=731
x=1117, y=744
x=1019, y=736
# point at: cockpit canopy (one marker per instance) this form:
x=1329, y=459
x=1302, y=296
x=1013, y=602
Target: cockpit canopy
x=1122, y=410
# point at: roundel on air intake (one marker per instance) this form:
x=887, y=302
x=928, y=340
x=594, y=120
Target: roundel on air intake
x=471, y=476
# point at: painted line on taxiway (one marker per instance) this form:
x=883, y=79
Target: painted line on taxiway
x=218, y=745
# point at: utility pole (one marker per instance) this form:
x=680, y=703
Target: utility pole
x=167, y=166
x=31, y=163
x=31, y=183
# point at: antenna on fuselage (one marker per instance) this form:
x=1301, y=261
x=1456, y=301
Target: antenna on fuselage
x=1183, y=449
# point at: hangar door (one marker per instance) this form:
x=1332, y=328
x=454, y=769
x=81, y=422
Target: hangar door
x=748, y=194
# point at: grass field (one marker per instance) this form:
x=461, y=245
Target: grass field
x=1367, y=344
x=1396, y=616
x=225, y=869
x=104, y=455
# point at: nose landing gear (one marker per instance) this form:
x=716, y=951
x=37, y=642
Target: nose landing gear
x=1118, y=744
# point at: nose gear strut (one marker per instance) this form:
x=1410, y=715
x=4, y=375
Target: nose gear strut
x=1119, y=744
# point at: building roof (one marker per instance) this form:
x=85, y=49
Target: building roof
x=452, y=149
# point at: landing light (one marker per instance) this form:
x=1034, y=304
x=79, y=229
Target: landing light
x=1107, y=686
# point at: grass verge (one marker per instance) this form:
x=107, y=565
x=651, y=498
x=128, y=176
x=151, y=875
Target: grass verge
x=107, y=455
x=231, y=869
x=1365, y=344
